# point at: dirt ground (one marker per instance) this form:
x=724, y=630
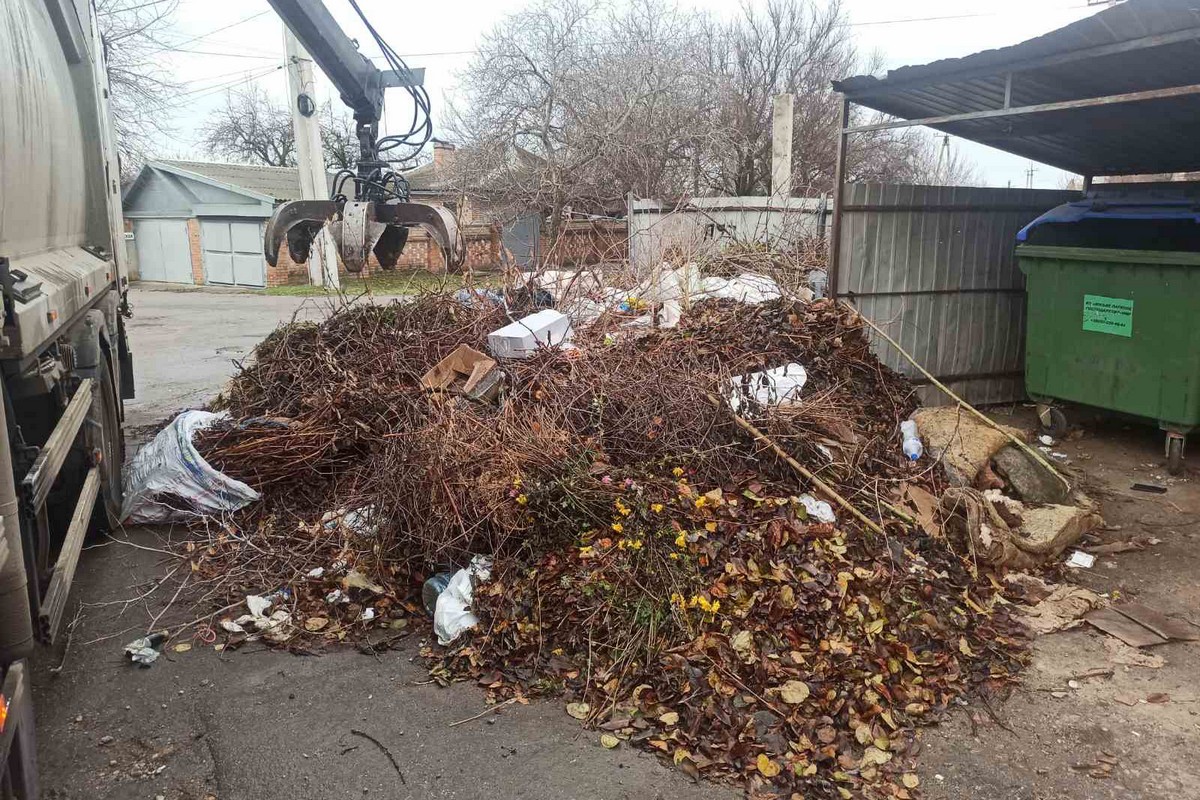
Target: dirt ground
x=259, y=724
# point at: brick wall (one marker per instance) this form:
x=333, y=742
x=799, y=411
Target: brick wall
x=196, y=251
x=286, y=272
x=585, y=243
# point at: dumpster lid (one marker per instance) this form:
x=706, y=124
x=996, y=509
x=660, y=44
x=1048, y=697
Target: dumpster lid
x=1146, y=209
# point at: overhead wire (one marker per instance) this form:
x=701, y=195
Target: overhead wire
x=199, y=93
x=177, y=45
x=420, y=129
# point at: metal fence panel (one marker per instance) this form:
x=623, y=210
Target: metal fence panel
x=934, y=266
x=703, y=224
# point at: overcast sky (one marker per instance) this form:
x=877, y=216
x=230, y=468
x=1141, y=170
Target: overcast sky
x=221, y=44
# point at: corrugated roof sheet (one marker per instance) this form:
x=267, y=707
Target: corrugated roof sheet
x=1143, y=45
x=282, y=183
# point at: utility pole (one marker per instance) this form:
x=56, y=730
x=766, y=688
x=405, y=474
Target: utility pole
x=322, y=263
x=1029, y=176
x=782, y=107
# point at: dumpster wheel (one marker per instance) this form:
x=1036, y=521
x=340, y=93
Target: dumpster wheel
x=1053, y=421
x=1175, y=444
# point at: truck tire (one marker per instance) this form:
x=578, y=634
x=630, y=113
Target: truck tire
x=112, y=449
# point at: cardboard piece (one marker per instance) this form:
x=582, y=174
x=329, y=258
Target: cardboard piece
x=1159, y=622
x=466, y=371
x=1125, y=629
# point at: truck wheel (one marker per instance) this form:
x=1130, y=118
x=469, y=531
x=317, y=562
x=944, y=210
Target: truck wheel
x=1174, y=454
x=112, y=451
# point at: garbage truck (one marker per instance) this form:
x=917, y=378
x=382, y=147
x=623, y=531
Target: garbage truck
x=65, y=363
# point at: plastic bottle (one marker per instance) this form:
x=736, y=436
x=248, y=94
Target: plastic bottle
x=818, y=281
x=911, y=444
x=432, y=588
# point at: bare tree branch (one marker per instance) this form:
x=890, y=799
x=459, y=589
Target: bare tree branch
x=255, y=129
x=142, y=89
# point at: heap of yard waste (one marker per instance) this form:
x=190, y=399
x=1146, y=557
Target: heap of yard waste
x=656, y=560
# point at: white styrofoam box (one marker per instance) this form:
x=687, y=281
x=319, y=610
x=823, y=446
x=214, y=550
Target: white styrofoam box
x=522, y=338
x=778, y=386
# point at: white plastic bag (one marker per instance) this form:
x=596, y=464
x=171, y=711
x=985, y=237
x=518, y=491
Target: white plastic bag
x=170, y=465
x=817, y=509
x=773, y=387
x=745, y=288
x=452, y=614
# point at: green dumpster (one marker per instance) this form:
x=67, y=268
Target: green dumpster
x=1116, y=329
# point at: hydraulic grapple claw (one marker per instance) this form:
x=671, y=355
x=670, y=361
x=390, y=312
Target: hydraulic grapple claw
x=359, y=229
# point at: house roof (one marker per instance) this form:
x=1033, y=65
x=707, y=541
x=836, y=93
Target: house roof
x=1147, y=47
x=424, y=178
x=278, y=183
x=428, y=179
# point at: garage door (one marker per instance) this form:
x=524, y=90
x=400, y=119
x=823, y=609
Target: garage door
x=233, y=252
x=162, y=250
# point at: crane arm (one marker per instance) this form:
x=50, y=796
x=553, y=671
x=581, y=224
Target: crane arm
x=359, y=82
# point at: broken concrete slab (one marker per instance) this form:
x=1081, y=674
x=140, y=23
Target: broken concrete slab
x=1030, y=480
x=1046, y=531
x=962, y=442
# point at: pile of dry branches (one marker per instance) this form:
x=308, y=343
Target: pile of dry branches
x=652, y=558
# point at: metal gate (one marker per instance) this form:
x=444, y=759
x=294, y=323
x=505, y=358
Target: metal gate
x=521, y=237
x=934, y=266
x=162, y=250
x=233, y=252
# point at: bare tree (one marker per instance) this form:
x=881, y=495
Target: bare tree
x=256, y=129
x=251, y=128
x=338, y=138
x=569, y=105
x=142, y=88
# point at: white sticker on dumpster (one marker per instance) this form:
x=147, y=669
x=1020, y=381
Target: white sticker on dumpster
x=1108, y=315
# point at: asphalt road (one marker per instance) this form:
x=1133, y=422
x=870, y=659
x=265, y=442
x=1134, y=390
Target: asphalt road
x=258, y=724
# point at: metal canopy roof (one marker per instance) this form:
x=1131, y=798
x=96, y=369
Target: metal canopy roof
x=1117, y=93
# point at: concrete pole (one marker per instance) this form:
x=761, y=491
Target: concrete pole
x=839, y=181
x=322, y=261
x=781, y=145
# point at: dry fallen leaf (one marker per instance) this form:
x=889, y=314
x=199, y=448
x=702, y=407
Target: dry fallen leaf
x=743, y=644
x=669, y=718
x=794, y=692
x=313, y=624
x=910, y=780
x=766, y=766
x=874, y=756
x=182, y=647
x=578, y=710
x=356, y=580
x=609, y=741
x=965, y=648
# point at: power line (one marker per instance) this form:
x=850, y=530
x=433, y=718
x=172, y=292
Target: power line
x=868, y=23
x=207, y=91
x=225, y=55
x=219, y=76
x=243, y=21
